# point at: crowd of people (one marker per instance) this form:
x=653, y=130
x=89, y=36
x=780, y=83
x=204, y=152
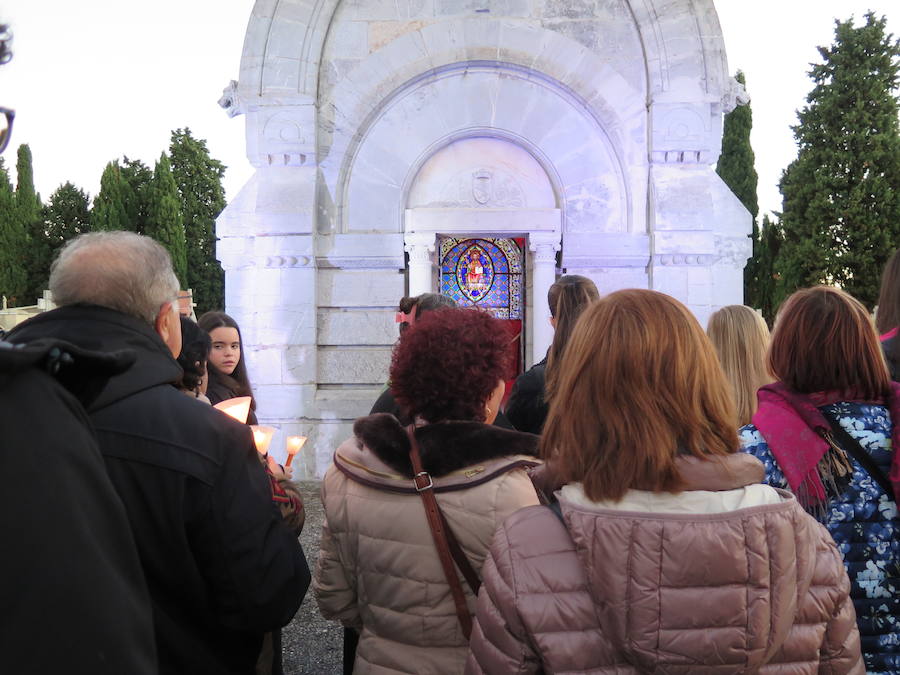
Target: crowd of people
x=650, y=497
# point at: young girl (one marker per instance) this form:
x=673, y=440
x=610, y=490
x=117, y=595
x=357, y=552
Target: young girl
x=226, y=366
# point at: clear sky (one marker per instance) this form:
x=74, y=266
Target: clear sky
x=94, y=80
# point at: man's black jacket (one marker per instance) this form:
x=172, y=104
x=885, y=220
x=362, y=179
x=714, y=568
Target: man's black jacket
x=221, y=567
x=72, y=591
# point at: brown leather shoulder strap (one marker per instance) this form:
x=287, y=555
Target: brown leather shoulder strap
x=440, y=531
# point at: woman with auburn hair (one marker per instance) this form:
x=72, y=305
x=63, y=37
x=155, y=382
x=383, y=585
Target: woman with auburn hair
x=887, y=318
x=387, y=564
x=827, y=431
x=663, y=553
x=527, y=406
x=741, y=338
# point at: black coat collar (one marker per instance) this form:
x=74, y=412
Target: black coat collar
x=105, y=330
x=445, y=447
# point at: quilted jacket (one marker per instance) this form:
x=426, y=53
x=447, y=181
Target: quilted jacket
x=378, y=569
x=863, y=522
x=726, y=577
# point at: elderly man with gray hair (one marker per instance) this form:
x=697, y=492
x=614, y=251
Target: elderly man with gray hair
x=221, y=567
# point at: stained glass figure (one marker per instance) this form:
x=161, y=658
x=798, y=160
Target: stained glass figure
x=486, y=273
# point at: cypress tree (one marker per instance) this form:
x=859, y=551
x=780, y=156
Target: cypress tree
x=841, y=215
x=139, y=178
x=12, y=242
x=737, y=169
x=65, y=216
x=17, y=211
x=199, y=180
x=769, y=287
x=737, y=162
x=35, y=255
x=164, y=221
x=110, y=211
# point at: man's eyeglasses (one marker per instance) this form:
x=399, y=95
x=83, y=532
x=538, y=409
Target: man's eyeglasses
x=6, y=132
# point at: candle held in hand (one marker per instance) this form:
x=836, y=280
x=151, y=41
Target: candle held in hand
x=294, y=445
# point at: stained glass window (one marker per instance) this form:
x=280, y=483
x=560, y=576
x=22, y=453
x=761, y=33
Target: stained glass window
x=485, y=273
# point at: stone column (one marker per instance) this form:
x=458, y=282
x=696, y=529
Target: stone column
x=420, y=246
x=543, y=273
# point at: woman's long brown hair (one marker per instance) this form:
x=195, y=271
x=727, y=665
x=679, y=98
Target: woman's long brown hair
x=568, y=298
x=640, y=385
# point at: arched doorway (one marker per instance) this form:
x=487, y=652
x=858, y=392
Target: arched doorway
x=487, y=197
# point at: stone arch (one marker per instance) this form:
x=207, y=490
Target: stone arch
x=275, y=62
x=365, y=164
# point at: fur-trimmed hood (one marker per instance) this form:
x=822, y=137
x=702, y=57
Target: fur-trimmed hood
x=445, y=447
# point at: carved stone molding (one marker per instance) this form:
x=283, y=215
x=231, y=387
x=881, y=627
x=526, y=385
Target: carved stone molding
x=286, y=159
x=684, y=259
x=420, y=246
x=231, y=101
x=359, y=262
x=544, y=248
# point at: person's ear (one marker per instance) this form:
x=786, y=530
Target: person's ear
x=168, y=327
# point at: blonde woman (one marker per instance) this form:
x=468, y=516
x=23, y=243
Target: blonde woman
x=741, y=338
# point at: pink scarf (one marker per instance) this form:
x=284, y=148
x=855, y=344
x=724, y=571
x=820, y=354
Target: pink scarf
x=793, y=426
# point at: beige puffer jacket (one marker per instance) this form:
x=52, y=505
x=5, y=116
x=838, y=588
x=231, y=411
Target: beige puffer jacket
x=378, y=568
x=719, y=579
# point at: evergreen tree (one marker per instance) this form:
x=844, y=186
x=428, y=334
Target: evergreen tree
x=110, y=210
x=66, y=215
x=841, y=216
x=737, y=170
x=13, y=244
x=199, y=181
x=138, y=177
x=769, y=287
x=35, y=258
x=164, y=221
x=736, y=163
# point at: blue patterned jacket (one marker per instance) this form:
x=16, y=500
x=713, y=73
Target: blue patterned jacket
x=864, y=524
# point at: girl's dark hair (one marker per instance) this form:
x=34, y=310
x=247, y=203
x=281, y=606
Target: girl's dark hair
x=426, y=302
x=888, y=316
x=195, y=346
x=238, y=381
x=568, y=298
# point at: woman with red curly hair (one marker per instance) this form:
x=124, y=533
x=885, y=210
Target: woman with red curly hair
x=380, y=569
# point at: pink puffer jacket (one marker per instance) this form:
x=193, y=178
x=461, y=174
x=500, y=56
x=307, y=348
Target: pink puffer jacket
x=727, y=577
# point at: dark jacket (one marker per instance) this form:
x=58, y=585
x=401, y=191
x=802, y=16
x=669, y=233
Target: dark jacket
x=891, y=348
x=221, y=567
x=217, y=390
x=386, y=403
x=526, y=407
x=72, y=591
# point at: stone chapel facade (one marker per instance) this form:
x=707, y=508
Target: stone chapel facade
x=585, y=131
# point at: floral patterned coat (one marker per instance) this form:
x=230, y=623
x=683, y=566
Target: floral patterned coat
x=865, y=526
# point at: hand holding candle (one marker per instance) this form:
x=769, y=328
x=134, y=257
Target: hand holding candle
x=294, y=445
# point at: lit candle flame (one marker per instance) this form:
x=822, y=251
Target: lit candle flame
x=238, y=408
x=262, y=436
x=294, y=445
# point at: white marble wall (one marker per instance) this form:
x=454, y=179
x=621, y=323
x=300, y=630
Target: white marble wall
x=608, y=112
